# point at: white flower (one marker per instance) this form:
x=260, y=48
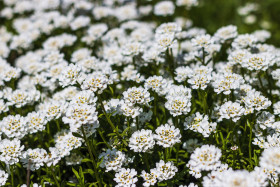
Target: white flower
x=205, y=158
x=78, y=115
x=231, y=178
x=265, y=120
x=80, y=54
x=260, y=176
x=200, y=123
x=54, y=156
x=181, y=91
x=164, y=8
x=53, y=109
x=126, y=177
x=3, y=106
x=257, y=61
x=231, y=110
x=36, y=122
x=33, y=158
x=238, y=56
x=101, y=12
x=157, y=84
x=132, y=49
x=113, y=106
x=112, y=160
x=199, y=77
x=94, y=32
x=168, y=28
x=74, y=159
x=10, y=73
x=225, y=82
x=167, y=135
x=79, y=22
x=14, y=126
x=84, y=97
x=262, y=35
x=276, y=108
x=276, y=74
x=165, y=41
x=95, y=82
x=10, y=151
x=70, y=75
x=141, y=141
x=126, y=12
x=136, y=95
x=187, y=3
x=202, y=41
x=20, y=97
x=152, y=54
x=129, y=73
x=255, y=101
x=149, y=178
x=182, y=73
x=226, y=33
x=67, y=143
x=165, y=171
x=270, y=158
x=130, y=111
x=243, y=41
x=3, y=177
x=89, y=128
x=178, y=105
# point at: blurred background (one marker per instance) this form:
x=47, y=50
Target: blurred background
x=248, y=15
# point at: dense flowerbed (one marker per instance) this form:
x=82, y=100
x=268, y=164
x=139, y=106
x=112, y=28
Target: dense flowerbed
x=117, y=93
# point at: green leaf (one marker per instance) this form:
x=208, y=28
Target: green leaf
x=81, y=174
x=89, y=171
x=76, y=173
x=71, y=184
x=125, y=130
x=98, y=163
x=111, y=89
x=86, y=160
x=125, y=143
x=77, y=135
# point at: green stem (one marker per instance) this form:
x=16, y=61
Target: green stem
x=170, y=61
x=177, y=121
x=102, y=137
x=137, y=122
x=250, y=142
x=57, y=124
x=270, y=86
x=107, y=117
x=165, y=154
x=155, y=109
x=53, y=174
x=91, y=156
x=261, y=83
x=203, y=56
x=146, y=161
x=12, y=176
x=177, y=154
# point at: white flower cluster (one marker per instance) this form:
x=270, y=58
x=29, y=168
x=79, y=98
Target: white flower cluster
x=200, y=123
x=163, y=171
x=126, y=177
x=167, y=135
x=108, y=88
x=141, y=141
x=205, y=158
x=112, y=159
